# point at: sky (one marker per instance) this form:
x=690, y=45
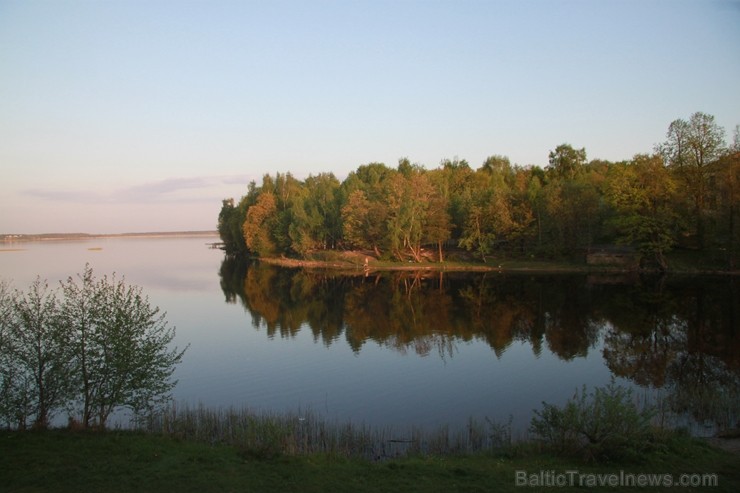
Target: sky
x=142, y=115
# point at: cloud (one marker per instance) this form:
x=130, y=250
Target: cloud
x=170, y=190
x=63, y=195
x=160, y=190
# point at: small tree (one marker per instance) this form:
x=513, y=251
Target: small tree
x=120, y=345
x=34, y=356
x=13, y=395
x=602, y=425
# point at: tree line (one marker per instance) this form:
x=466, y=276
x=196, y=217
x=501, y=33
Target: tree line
x=684, y=194
x=88, y=347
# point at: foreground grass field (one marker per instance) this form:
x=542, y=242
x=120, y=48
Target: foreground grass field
x=123, y=461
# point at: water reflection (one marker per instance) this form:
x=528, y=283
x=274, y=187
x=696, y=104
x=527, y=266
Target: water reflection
x=418, y=311
x=683, y=337
x=676, y=334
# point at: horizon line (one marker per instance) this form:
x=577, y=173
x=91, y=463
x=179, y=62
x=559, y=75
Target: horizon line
x=78, y=235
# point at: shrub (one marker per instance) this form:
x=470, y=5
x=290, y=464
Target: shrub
x=93, y=345
x=35, y=361
x=121, y=346
x=602, y=425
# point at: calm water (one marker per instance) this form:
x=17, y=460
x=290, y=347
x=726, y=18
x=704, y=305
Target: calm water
x=408, y=349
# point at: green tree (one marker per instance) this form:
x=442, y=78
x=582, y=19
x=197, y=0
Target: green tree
x=727, y=172
x=689, y=149
x=409, y=199
x=523, y=211
x=566, y=162
x=8, y=404
x=571, y=201
x=373, y=181
x=405, y=167
x=230, y=219
x=496, y=164
x=535, y=199
x=603, y=425
x=451, y=180
x=290, y=214
x=438, y=224
x=642, y=194
x=354, y=219
x=488, y=220
x=34, y=356
x=360, y=222
x=225, y=232
x=121, y=347
x=316, y=216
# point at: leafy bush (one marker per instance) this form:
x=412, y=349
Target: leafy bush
x=35, y=359
x=91, y=346
x=602, y=425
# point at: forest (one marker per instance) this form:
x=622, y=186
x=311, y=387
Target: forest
x=684, y=195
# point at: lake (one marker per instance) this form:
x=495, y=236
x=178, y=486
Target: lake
x=418, y=349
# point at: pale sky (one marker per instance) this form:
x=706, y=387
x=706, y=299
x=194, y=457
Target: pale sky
x=141, y=115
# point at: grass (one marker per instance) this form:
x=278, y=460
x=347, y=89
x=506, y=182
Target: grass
x=200, y=449
x=121, y=461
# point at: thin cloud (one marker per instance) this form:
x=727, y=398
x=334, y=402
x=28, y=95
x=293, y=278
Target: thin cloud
x=158, y=190
x=237, y=179
x=194, y=189
x=63, y=195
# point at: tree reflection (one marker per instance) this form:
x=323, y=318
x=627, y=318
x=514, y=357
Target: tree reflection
x=645, y=333
x=421, y=312
x=682, y=338
x=675, y=334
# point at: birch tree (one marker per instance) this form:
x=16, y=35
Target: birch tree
x=34, y=356
x=121, y=347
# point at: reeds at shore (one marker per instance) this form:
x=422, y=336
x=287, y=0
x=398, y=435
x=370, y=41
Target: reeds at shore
x=302, y=433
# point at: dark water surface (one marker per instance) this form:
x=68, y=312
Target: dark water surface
x=422, y=349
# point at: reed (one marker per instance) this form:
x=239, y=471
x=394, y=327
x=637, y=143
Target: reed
x=267, y=435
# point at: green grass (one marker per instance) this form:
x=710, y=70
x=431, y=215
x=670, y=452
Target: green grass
x=121, y=461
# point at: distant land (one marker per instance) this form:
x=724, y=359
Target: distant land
x=87, y=236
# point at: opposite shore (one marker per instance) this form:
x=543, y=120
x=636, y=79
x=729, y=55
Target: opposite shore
x=19, y=238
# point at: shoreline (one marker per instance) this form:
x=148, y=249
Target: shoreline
x=349, y=267
x=25, y=238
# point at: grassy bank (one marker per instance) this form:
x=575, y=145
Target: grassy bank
x=121, y=461
x=598, y=440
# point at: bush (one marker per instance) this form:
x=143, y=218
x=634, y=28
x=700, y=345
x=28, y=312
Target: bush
x=121, y=344
x=602, y=425
x=35, y=359
x=92, y=345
